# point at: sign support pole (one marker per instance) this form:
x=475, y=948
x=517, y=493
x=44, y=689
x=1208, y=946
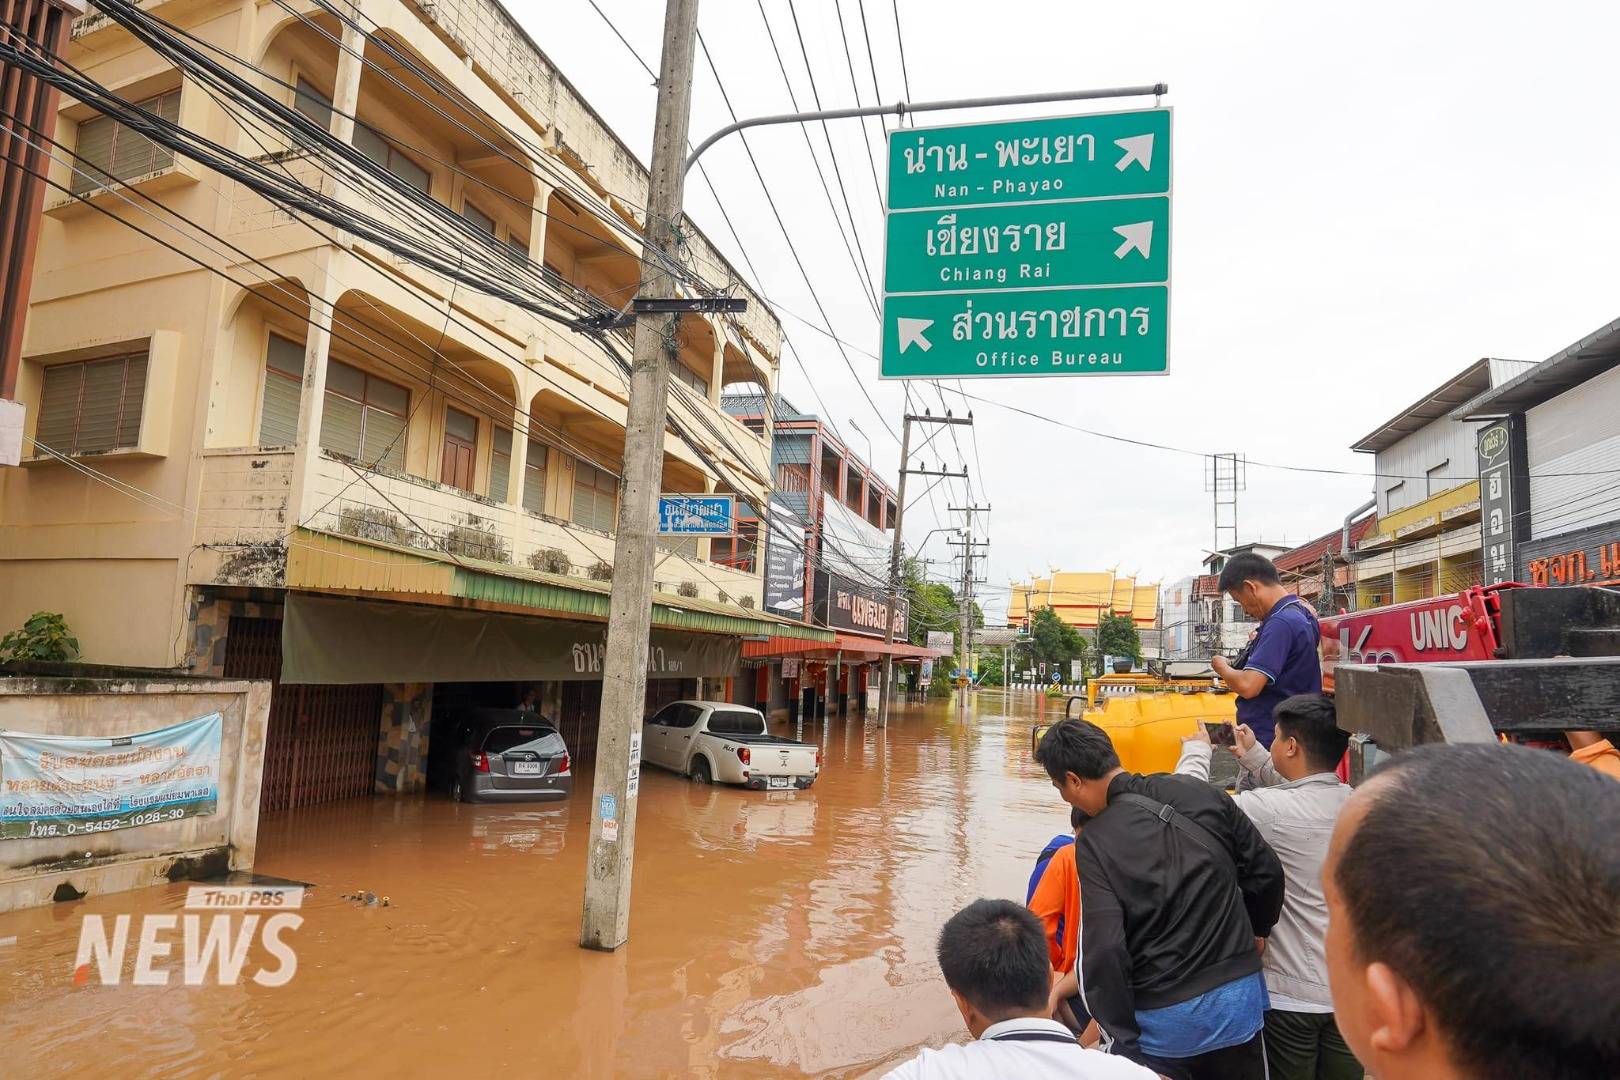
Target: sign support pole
x=611, y=852
x=902, y=107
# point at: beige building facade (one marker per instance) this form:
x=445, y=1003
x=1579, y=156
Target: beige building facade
x=315, y=414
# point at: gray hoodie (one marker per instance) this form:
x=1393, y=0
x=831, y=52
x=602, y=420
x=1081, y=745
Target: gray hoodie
x=1296, y=817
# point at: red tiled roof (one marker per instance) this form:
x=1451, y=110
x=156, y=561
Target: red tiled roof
x=1310, y=554
x=1206, y=585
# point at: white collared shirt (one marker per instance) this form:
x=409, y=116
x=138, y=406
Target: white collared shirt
x=1004, y=1052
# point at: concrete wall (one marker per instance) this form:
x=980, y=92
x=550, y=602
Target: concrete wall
x=35, y=872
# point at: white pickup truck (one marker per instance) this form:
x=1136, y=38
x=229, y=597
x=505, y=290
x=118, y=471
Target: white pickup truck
x=717, y=742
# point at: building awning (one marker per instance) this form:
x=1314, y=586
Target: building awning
x=856, y=648
x=324, y=562
x=1588, y=358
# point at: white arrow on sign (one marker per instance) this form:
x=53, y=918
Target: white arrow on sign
x=1138, y=237
x=1138, y=148
x=911, y=333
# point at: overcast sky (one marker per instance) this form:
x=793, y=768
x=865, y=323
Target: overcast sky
x=1367, y=198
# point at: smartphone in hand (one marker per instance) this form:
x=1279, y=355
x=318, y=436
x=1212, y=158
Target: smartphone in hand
x=1221, y=734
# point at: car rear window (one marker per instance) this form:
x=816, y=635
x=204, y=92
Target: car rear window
x=736, y=722
x=503, y=739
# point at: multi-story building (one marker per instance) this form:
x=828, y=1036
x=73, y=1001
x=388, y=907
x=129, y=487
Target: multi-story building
x=1426, y=542
x=1548, y=455
x=327, y=464
x=827, y=547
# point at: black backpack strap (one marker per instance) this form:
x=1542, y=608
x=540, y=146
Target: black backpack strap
x=1186, y=826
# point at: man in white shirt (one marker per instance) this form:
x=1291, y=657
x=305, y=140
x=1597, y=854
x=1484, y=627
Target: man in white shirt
x=994, y=958
x=1294, y=806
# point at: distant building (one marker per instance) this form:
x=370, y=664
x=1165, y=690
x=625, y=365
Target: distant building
x=1427, y=540
x=1320, y=571
x=1199, y=621
x=825, y=561
x=1082, y=598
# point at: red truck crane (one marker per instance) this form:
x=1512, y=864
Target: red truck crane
x=1528, y=663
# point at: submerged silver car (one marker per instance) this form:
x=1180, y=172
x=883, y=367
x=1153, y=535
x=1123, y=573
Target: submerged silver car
x=504, y=754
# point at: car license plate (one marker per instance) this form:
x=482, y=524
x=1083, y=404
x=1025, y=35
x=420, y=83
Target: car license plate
x=780, y=781
x=526, y=768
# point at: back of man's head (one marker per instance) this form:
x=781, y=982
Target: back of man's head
x=993, y=953
x=1079, y=747
x=1487, y=879
x=1248, y=566
x=1312, y=720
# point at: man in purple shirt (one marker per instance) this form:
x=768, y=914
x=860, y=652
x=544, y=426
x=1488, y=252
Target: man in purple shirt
x=1282, y=659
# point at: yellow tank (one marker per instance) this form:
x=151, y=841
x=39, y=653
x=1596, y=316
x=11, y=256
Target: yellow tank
x=1147, y=728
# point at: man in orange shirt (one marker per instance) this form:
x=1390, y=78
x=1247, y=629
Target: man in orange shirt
x=1056, y=902
x=1589, y=748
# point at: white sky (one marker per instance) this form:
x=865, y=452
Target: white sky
x=1367, y=198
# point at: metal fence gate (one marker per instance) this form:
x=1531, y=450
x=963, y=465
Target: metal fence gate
x=322, y=742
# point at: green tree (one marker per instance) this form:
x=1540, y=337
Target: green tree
x=1052, y=641
x=1117, y=636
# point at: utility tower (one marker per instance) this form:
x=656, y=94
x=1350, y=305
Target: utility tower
x=1224, y=477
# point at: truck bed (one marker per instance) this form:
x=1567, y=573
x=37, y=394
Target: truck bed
x=758, y=740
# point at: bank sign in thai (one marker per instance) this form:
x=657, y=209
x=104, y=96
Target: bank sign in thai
x=845, y=604
x=1036, y=247
x=73, y=786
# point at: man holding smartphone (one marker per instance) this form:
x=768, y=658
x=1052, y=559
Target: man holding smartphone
x=1282, y=659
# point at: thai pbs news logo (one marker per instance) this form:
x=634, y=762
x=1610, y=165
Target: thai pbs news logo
x=212, y=943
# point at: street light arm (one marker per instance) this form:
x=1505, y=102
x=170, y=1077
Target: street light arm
x=900, y=108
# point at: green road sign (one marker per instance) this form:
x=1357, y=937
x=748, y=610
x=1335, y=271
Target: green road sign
x=1038, y=247
x=1106, y=331
x=1041, y=245
x=1074, y=157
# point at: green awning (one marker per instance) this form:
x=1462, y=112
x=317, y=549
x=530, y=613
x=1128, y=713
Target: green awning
x=320, y=561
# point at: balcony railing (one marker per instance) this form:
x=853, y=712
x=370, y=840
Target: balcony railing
x=244, y=505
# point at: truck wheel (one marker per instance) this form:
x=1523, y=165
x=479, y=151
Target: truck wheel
x=700, y=772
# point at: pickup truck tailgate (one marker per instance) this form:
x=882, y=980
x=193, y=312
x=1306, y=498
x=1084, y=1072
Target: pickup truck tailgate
x=781, y=759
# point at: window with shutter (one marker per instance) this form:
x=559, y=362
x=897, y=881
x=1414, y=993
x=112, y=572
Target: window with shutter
x=534, y=478
x=478, y=217
x=364, y=416
x=283, y=379
x=500, y=462
x=595, y=497
x=113, y=152
x=92, y=406
x=519, y=247
x=313, y=104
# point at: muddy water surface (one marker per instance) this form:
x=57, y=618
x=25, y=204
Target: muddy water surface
x=771, y=934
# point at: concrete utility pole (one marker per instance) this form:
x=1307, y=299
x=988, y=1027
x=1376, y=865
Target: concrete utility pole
x=611, y=854
x=896, y=581
x=964, y=598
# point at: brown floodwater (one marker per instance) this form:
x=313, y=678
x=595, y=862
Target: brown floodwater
x=771, y=934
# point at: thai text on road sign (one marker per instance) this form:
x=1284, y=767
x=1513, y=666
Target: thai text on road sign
x=1037, y=247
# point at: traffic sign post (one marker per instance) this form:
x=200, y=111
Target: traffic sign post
x=1036, y=247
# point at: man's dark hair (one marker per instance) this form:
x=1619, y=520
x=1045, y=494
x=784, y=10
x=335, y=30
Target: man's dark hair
x=1076, y=746
x=1248, y=566
x=993, y=952
x=1077, y=817
x=1311, y=719
x=1488, y=877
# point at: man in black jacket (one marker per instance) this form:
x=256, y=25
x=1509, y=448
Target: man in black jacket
x=1177, y=892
